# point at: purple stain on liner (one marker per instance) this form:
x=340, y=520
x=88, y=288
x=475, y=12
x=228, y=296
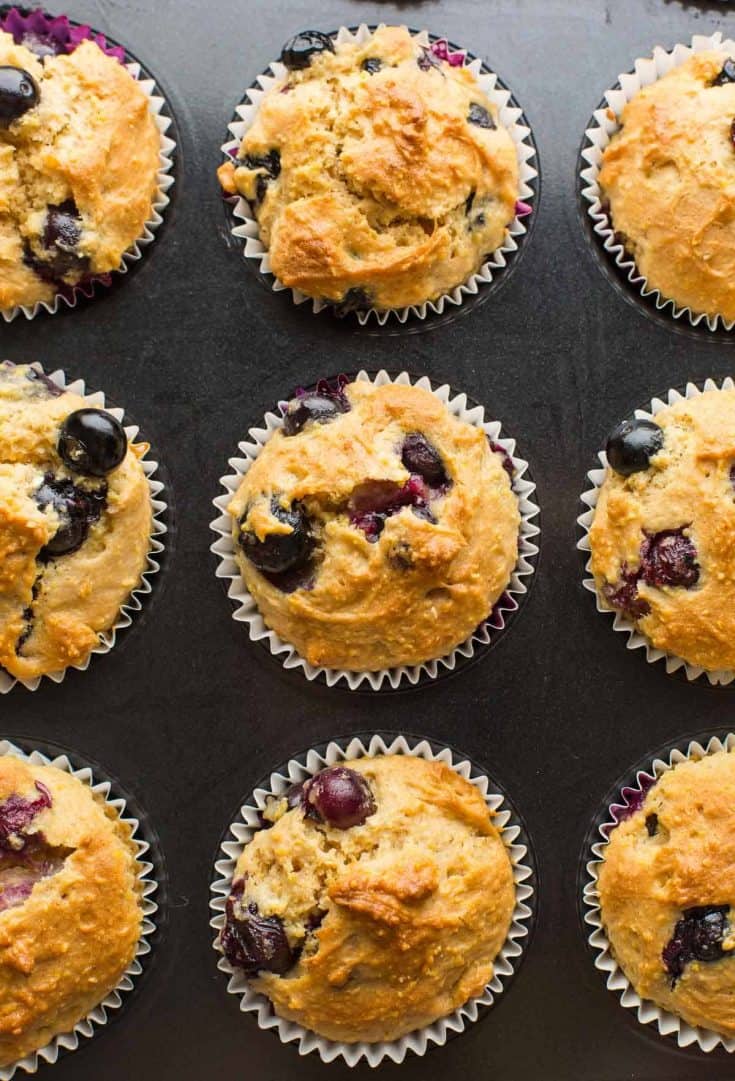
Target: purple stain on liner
x=523, y=209
x=497, y=448
x=441, y=51
x=632, y=801
x=49, y=35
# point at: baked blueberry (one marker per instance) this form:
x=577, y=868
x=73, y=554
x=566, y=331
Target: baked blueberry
x=17, y=813
x=280, y=552
x=427, y=60
x=356, y=299
x=669, y=558
x=46, y=386
x=93, y=442
x=339, y=797
x=253, y=942
x=421, y=457
x=632, y=444
x=727, y=75
x=76, y=508
x=298, y=52
x=498, y=448
x=61, y=234
x=371, y=65
x=624, y=595
x=18, y=93
x=375, y=501
x=652, y=824
x=270, y=167
x=698, y=936
x=480, y=117
x=316, y=408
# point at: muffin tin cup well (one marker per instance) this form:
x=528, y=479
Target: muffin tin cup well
x=98, y=1017
x=37, y=22
x=637, y=640
x=616, y=808
x=496, y=265
x=605, y=122
x=159, y=528
x=507, y=961
x=247, y=610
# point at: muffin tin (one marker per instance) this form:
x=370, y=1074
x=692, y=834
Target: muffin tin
x=191, y=714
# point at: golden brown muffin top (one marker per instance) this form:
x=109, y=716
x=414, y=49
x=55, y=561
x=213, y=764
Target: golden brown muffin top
x=70, y=909
x=667, y=891
x=386, y=924
x=669, y=177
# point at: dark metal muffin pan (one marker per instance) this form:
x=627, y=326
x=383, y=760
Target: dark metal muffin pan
x=189, y=713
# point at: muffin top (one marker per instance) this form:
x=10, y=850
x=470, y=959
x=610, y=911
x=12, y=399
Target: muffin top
x=661, y=539
x=377, y=902
x=667, y=887
x=70, y=910
x=669, y=178
x=379, y=173
x=375, y=528
x=79, y=156
x=75, y=522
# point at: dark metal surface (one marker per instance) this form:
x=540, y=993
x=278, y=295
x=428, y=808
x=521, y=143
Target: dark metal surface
x=189, y=714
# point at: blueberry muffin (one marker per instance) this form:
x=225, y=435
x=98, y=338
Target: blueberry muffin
x=662, y=534
x=79, y=158
x=376, y=902
x=374, y=528
x=667, y=887
x=379, y=173
x=75, y=523
x=70, y=904
x=667, y=178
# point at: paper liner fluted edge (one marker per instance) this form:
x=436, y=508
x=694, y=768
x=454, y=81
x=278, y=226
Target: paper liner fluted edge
x=420, y=1040
x=160, y=201
x=134, y=602
x=603, y=126
x=637, y=640
x=247, y=610
x=97, y=1017
x=647, y=1012
x=510, y=116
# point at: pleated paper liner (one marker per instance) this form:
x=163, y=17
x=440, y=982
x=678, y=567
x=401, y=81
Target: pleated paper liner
x=507, y=961
x=69, y=34
x=151, y=876
x=404, y=675
x=159, y=529
x=496, y=267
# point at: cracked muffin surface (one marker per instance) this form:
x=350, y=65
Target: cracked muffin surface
x=661, y=538
x=78, y=170
x=668, y=178
x=375, y=528
x=73, y=545
x=368, y=926
x=70, y=904
x=667, y=887
x=380, y=174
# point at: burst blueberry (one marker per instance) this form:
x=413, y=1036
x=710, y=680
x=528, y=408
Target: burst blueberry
x=76, y=508
x=698, y=936
x=339, y=797
x=421, y=457
x=669, y=558
x=92, y=441
x=632, y=444
x=280, y=552
x=253, y=942
x=300, y=50
x=18, y=94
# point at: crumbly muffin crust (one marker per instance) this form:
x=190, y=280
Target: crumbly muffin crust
x=668, y=178
x=90, y=150
x=373, y=188
x=399, y=920
x=667, y=891
x=661, y=539
x=52, y=608
x=422, y=584
x=70, y=908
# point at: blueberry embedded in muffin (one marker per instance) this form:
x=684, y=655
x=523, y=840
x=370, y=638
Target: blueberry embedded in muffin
x=666, y=892
x=375, y=528
x=359, y=167
x=75, y=523
x=660, y=539
x=375, y=903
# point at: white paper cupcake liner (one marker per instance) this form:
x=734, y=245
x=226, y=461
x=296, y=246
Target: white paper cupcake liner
x=247, y=610
x=637, y=640
x=604, y=124
x=417, y=1042
x=648, y=1012
x=70, y=295
x=511, y=117
x=134, y=603
x=69, y=1041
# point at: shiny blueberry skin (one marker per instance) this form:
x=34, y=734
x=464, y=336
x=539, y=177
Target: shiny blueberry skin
x=253, y=942
x=339, y=797
x=311, y=407
x=18, y=93
x=727, y=75
x=372, y=65
x=92, y=442
x=298, y=52
x=480, y=117
x=77, y=510
x=697, y=936
x=669, y=558
x=420, y=456
x=280, y=552
x=632, y=444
